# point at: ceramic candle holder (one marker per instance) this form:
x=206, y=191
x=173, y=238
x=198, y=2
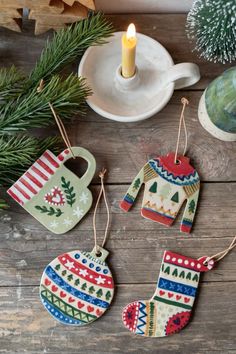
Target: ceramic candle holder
x=141, y=96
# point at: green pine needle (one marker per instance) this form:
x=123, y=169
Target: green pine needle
x=33, y=111
x=3, y=204
x=68, y=44
x=11, y=83
x=19, y=152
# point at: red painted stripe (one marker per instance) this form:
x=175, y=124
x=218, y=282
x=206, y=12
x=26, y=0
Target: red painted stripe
x=155, y=216
x=33, y=179
x=185, y=228
x=125, y=205
x=90, y=272
x=22, y=191
x=179, y=260
x=40, y=173
x=14, y=196
x=50, y=159
x=46, y=167
x=27, y=185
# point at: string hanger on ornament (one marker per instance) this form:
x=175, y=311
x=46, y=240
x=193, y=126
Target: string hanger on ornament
x=59, y=122
x=102, y=192
x=184, y=102
x=220, y=255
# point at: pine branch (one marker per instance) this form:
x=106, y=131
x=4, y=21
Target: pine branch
x=68, y=44
x=32, y=111
x=17, y=153
x=11, y=83
x=3, y=204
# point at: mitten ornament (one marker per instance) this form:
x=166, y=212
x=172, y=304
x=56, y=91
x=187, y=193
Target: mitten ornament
x=169, y=309
x=169, y=181
x=54, y=195
x=77, y=287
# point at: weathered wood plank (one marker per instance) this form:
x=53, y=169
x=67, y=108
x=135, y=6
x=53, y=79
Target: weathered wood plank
x=125, y=148
x=136, y=244
x=169, y=29
x=26, y=327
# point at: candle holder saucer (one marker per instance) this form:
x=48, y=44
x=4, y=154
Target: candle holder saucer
x=141, y=96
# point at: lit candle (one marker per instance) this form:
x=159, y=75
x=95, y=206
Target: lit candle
x=129, y=42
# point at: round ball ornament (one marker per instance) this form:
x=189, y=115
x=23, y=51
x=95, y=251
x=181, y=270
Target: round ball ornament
x=77, y=287
x=217, y=107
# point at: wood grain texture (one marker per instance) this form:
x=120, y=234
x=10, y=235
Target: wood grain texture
x=27, y=328
x=127, y=147
x=136, y=245
x=27, y=247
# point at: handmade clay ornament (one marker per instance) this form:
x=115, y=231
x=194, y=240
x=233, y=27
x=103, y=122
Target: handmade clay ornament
x=169, y=310
x=54, y=195
x=77, y=287
x=167, y=186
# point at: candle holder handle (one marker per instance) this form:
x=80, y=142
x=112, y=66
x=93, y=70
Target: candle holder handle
x=182, y=75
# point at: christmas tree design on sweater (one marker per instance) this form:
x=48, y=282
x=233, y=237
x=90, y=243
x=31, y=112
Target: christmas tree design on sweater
x=167, y=186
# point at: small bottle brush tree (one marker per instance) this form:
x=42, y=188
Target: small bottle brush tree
x=211, y=25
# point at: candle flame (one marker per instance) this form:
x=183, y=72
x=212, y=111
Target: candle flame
x=131, y=31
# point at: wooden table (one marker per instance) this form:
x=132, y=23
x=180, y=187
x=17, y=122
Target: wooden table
x=136, y=245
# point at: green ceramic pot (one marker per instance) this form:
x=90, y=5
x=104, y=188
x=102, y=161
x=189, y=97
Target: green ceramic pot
x=217, y=107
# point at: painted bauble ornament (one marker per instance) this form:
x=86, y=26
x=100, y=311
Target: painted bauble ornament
x=77, y=287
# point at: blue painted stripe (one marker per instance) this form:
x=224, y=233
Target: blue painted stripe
x=176, y=287
x=77, y=293
x=186, y=222
x=142, y=318
x=58, y=315
x=128, y=199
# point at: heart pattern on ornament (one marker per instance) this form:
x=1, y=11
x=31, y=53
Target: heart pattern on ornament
x=99, y=312
x=62, y=294
x=55, y=197
x=90, y=308
x=80, y=304
x=47, y=282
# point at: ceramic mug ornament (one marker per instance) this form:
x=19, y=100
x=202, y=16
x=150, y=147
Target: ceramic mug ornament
x=53, y=194
x=217, y=107
x=144, y=94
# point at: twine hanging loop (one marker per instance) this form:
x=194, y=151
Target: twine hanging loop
x=58, y=120
x=184, y=102
x=220, y=255
x=102, y=192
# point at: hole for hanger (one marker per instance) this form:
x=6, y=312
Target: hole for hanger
x=98, y=254
x=177, y=162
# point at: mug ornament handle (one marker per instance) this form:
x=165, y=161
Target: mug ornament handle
x=183, y=75
x=86, y=155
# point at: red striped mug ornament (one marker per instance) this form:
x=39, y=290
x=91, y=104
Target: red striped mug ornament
x=53, y=194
